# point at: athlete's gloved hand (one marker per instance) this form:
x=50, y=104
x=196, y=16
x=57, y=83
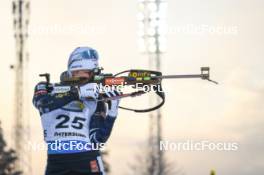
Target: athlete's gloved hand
x=113, y=104
x=89, y=90
x=41, y=88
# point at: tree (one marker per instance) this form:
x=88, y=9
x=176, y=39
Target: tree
x=7, y=158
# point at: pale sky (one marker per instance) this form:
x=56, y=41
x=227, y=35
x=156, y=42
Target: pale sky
x=232, y=111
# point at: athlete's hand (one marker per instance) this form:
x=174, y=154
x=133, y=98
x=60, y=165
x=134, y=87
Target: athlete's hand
x=89, y=90
x=42, y=88
x=114, y=103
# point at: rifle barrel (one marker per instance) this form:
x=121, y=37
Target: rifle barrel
x=180, y=76
x=202, y=76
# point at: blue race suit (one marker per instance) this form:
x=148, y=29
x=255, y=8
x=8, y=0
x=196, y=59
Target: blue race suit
x=73, y=129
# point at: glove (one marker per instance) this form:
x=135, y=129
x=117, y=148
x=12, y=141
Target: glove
x=89, y=90
x=113, y=104
x=42, y=88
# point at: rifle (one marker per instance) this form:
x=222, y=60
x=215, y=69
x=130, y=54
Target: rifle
x=134, y=77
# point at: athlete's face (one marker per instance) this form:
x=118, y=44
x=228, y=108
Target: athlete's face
x=82, y=74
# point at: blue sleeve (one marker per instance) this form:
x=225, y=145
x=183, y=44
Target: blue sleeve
x=100, y=125
x=46, y=102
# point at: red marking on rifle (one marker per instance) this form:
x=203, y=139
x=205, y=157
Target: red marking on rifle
x=114, y=81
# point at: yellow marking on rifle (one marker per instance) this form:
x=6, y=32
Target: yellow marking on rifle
x=139, y=74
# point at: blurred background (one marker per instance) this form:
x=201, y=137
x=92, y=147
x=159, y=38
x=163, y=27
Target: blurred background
x=225, y=35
